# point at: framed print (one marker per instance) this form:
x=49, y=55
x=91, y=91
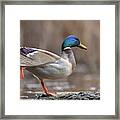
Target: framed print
x=59, y=59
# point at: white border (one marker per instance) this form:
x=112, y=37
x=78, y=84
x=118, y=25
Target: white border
x=104, y=13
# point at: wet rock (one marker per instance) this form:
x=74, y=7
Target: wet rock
x=83, y=95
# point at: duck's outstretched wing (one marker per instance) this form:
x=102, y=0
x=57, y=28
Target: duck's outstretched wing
x=35, y=57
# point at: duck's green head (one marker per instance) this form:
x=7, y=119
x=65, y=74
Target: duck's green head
x=72, y=41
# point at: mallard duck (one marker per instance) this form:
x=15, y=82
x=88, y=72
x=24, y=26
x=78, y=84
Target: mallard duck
x=47, y=65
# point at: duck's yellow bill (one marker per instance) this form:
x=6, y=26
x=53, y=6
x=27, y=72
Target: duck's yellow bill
x=82, y=46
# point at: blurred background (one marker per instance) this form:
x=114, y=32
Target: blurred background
x=49, y=35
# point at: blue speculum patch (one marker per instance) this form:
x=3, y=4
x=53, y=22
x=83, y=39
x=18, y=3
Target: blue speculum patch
x=26, y=51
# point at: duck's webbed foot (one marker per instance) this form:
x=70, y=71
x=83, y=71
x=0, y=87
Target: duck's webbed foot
x=50, y=94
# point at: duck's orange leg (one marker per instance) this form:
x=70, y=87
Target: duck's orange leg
x=45, y=89
x=22, y=72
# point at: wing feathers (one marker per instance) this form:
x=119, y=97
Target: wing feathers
x=34, y=57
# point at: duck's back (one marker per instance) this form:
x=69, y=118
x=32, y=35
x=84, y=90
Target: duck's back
x=35, y=57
